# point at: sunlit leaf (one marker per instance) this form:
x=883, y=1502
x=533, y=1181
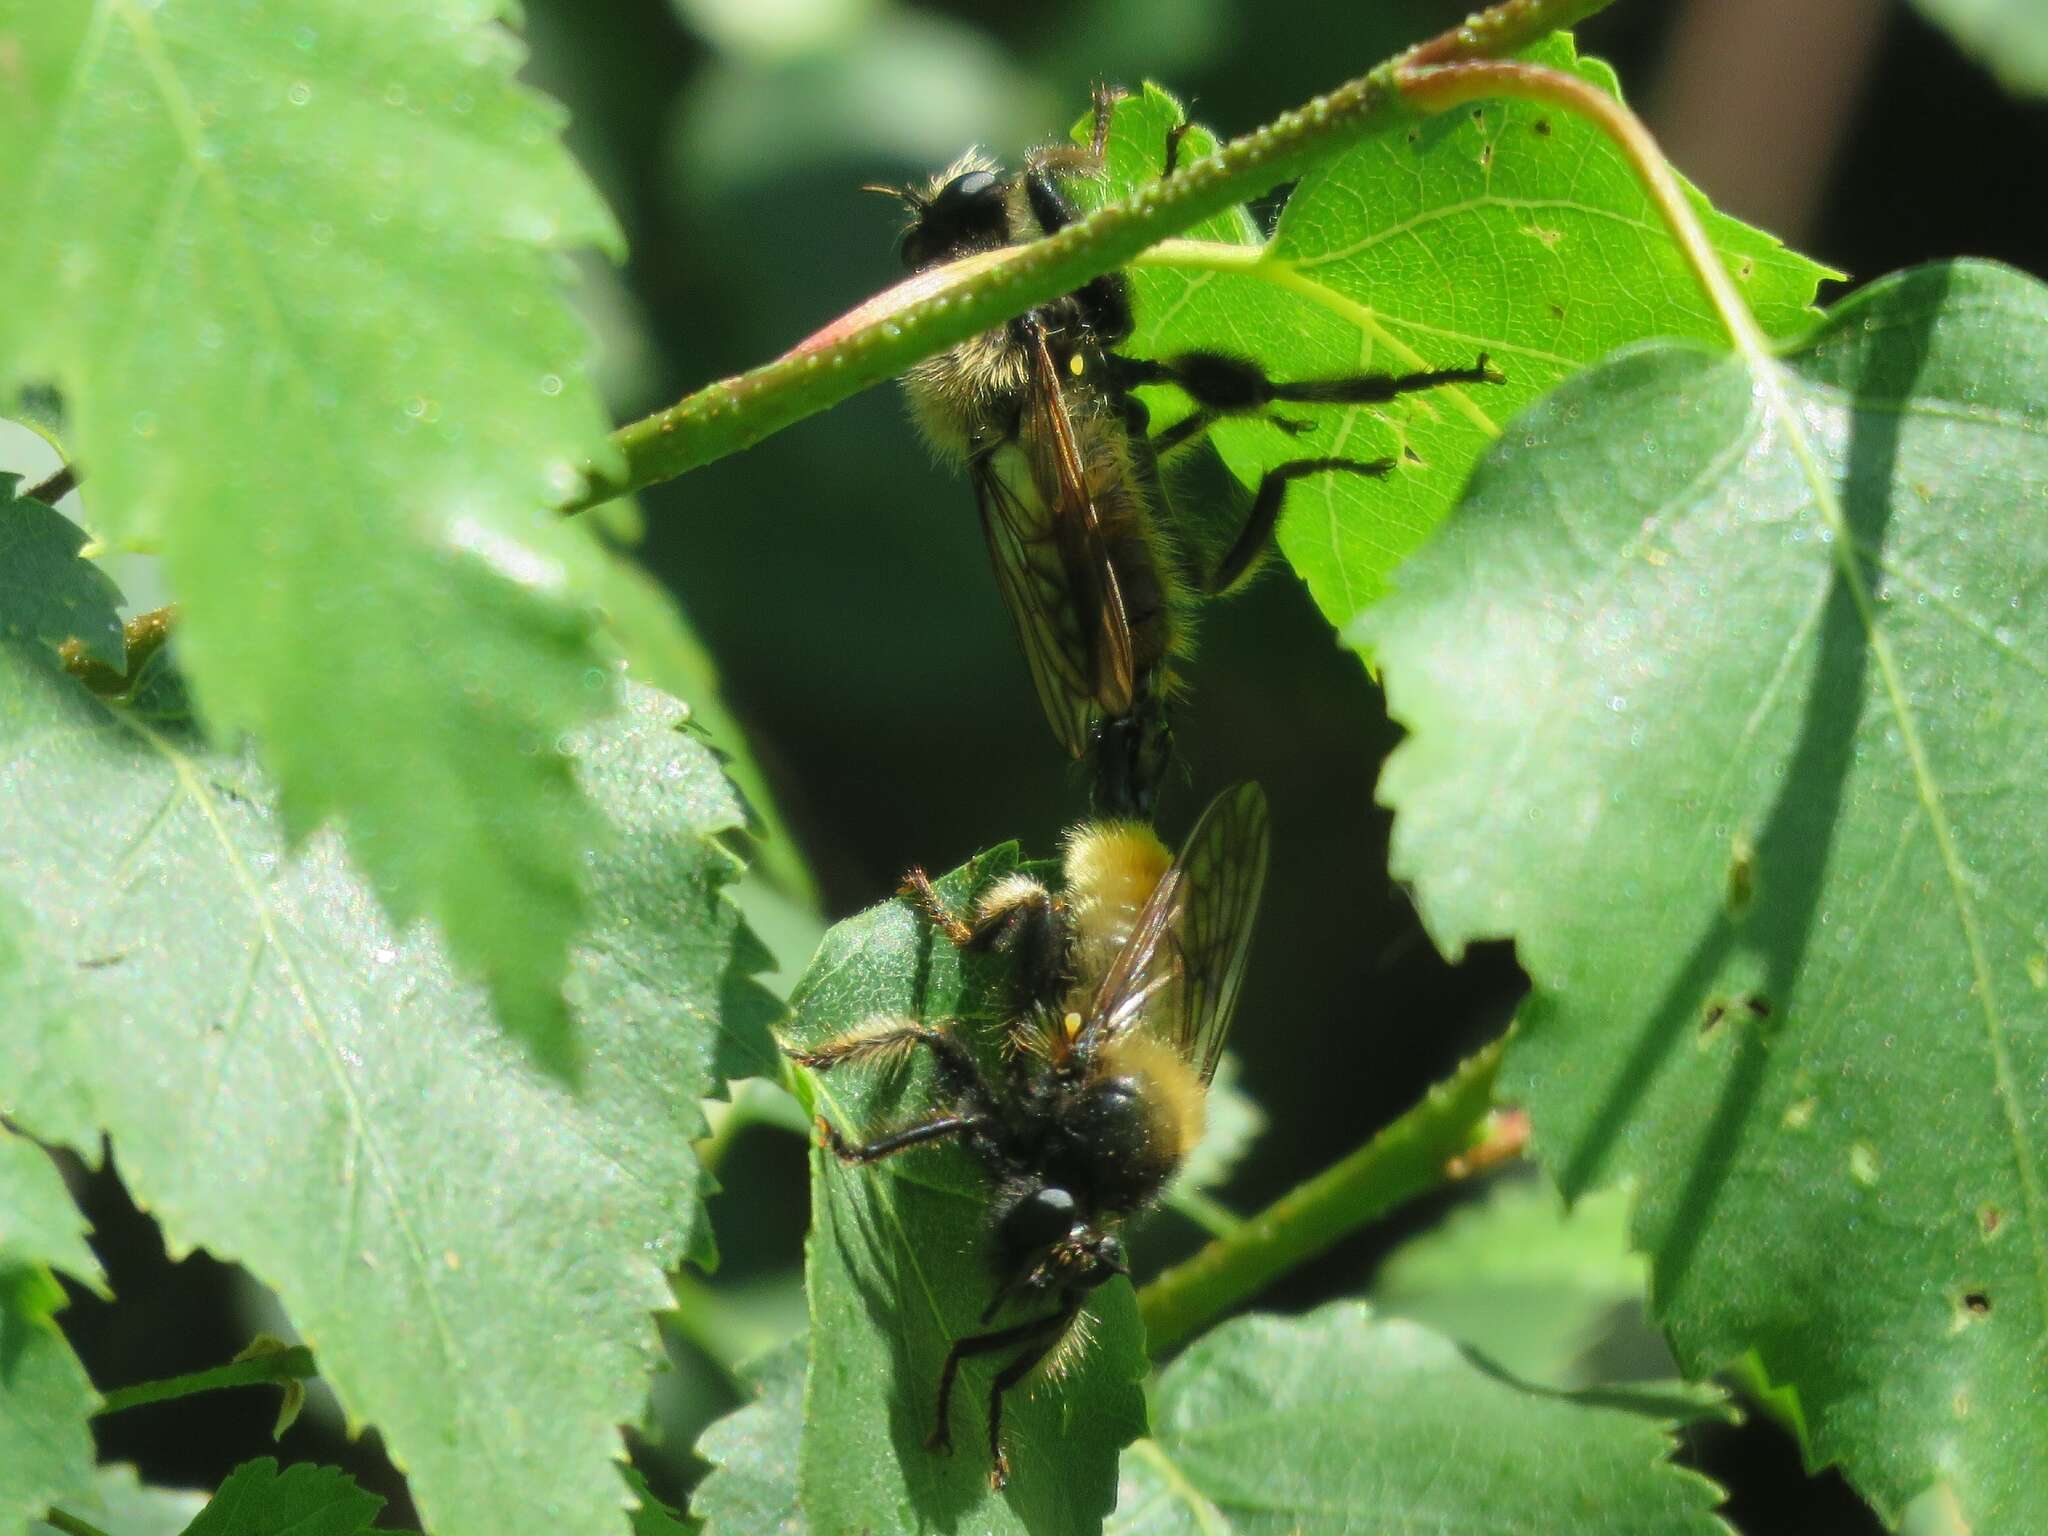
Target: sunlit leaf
x=1727, y=703
x=1509, y=228
x=295, y=272
x=472, y=1250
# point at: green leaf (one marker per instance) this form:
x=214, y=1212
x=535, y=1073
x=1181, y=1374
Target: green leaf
x=297, y=274
x=472, y=1251
x=46, y=592
x=1276, y=1425
x=654, y=1518
x=896, y=1270
x=1726, y=699
x=1555, y=1298
x=1511, y=229
x=751, y=1489
x=302, y=1500
x=39, y=1224
x=2009, y=37
x=45, y=1399
x=122, y=1505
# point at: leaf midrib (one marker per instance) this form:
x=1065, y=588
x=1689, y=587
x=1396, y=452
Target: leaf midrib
x=315, y=1025
x=1772, y=377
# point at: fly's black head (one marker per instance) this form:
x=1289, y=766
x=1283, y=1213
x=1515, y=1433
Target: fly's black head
x=970, y=212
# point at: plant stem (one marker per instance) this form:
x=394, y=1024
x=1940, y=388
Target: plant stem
x=285, y=1365
x=53, y=490
x=934, y=310
x=1409, y=1158
x=1440, y=87
x=70, y=1524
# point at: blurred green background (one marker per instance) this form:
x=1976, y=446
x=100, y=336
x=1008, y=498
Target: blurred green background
x=841, y=583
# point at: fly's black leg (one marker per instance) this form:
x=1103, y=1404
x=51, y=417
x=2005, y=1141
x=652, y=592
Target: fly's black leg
x=1221, y=385
x=1010, y=1375
x=1258, y=527
x=1040, y=1333
x=960, y=1079
x=917, y=885
x=938, y=1128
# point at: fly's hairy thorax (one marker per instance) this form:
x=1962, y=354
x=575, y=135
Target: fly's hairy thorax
x=1133, y=1123
x=969, y=396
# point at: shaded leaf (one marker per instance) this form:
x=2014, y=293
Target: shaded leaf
x=654, y=1518
x=751, y=1488
x=46, y=592
x=1272, y=1425
x=120, y=1504
x=896, y=1270
x=303, y=1500
x=473, y=1251
x=2009, y=37
x=1509, y=228
x=1727, y=702
x=1553, y=1297
x=296, y=274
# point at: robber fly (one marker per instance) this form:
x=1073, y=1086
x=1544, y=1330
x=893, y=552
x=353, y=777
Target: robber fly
x=1092, y=564
x=1128, y=976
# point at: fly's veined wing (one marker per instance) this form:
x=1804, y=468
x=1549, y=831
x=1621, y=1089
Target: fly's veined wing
x=1032, y=575
x=1180, y=973
x=1061, y=472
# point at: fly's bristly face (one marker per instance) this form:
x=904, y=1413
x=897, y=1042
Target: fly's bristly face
x=1100, y=578
x=1115, y=991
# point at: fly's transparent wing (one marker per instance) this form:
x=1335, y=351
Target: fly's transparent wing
x=1053, y=565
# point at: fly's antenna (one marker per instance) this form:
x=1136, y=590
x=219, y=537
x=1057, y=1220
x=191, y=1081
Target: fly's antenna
x=909, y=197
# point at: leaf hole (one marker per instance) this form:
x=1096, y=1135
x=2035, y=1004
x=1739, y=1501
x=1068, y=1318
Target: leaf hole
x=1541, y=127
x=1479, y=115
x=1486, y=155
x=1410, y=455
x=1978, y=1302
x=1557, y=311
x=1745, y=269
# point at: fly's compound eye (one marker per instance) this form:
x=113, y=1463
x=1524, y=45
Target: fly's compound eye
x=1040, y=1219
x=1108, y=1253
x=969, y=213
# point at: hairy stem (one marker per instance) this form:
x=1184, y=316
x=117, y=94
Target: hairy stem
x=936, y=309
x=1440, y=87
x=53, y=490
x=1411, y=1157
x=268, y=1369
